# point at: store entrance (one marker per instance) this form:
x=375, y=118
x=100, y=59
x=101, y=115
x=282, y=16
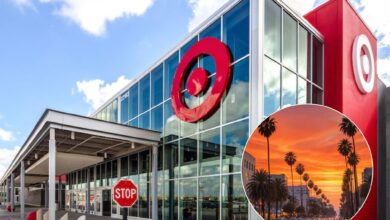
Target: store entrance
x=106, y=202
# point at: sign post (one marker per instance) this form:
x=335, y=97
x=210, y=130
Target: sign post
x=125, y=195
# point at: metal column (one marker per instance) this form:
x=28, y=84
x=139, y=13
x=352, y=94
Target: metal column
x=52, y=174
x=12, y=192
x=59, y=193
x=21, y=193
x=154, y=182
x=7, y=190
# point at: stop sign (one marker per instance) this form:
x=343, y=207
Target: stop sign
x=125, y=193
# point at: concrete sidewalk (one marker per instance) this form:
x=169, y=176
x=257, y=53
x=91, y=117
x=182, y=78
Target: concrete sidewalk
x=5, y=215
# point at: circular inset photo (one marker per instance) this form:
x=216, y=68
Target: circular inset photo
x=307, y=162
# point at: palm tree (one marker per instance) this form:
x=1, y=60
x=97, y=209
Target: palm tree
x=318, y=192
x=290, y=159
x=310, y=184
x=350, y=129
x=280, y=193
x=266, y=129
x=300, y=169
x=345, y=148
x=315, y=188
x=257, y=189
x=353, y=160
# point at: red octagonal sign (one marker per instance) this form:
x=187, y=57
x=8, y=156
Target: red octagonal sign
x=125, y=193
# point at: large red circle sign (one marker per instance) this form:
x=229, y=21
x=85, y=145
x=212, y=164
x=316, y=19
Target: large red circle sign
x=197, y=82
x=125, y=193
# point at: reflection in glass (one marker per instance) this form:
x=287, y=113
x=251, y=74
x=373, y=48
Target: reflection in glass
x=115, y=110
x=144, y=186
x=303, y=91
x=188, y=156
x=171, y=160
x=133, y=101
x=209, y=198
x=304, y=53
x=144, y=166
x=133, y=211
x=157, y=120
x=214, y=30
x=289, y=85
x=114, y=172
x=124, y=107
x=157, y=85
x=289, y=42
x=171, y=123
x=124, y=167
x=234, y=138
x=236, y=103
x=209, y=152
x=108, y=173
x=144, y=120
x=144, y=96
x=188, y=199
x=271, y=86
x=272, y=30
x=186, y=128
x=214, y=119
x=234, y=202
x=187, y=46
x=171, y=199
x=170, y=68
x=236, y=29
x=317, y=95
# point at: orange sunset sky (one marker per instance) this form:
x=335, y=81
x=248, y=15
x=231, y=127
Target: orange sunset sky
x=312, y=133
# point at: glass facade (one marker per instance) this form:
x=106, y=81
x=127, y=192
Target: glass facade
x=199, y=174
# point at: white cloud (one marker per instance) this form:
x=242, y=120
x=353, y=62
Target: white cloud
x=6, y=157
x=6, y=135
x=93, y=15
x=96, y=91
x=300, y=6
x=202, y=9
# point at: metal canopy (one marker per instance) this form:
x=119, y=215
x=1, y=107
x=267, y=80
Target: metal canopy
x=79, y=136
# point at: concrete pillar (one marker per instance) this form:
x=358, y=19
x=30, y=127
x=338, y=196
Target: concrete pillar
x=21, y=193
x=154, y=182
x=52, y=174
x=12, y=191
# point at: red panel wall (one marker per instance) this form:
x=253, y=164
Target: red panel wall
x=340, y=24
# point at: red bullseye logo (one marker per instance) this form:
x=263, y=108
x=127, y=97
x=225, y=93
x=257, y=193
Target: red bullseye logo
x=198, y=80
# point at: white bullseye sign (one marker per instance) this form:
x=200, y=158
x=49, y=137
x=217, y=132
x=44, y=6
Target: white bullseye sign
x=363, y=65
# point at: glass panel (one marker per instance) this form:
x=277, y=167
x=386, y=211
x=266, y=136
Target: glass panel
x=304, y=53
x=157, y=85
x=144, y=196
x=171, y=198
x=104, y=111
x=133, y=101
x=289, y=85
x=236, y=103
x=133, y=164
x=184, y=49
x=115, y=110
x=186, y=128
x=271, y=86
x=234, y=202
x=289, y=42
x=171, y=123
x=317, y=95
x=188, y=157
x=144, y=166
x=124, y=166
x=272, y=29
x=171, y=160
x=133, y=211
x=144, y=120
x=134, y=122
x=188, y=199
x=215, y=119
x=144, y=96
x=92, y=177
x=214, y=30
x=234, y=137
x=98, y=176
x=317, y=62
x=98, y=201
x=170, y=68
x=124, y=107
x=209, y=188
x=103, y=176
x=113, y=207
x=110, y=113
x=157, y=118
x=109, y=173
x=303, y=91
x=236, y=29
x=114, y=171
x=209, y=152
x=160, y=198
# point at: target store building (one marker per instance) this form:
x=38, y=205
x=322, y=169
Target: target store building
x=179, y=130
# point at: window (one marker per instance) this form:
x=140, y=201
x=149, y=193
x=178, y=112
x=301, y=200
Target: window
x=272, y=30
x=303, y=91
x=144, y=96
x=188, y=156
x=157, y=118
x=236, y=29
x=317, y=62
x=271, y=86
x=171, y=199
x=157, y=85
x=234, y=202
x=115, y=110
x=214, y=30
x=209, y=188
x=144, y=121
x=171, y=160
x=317, y=95
x=289, y=42
x=124, y=166
x=171, y=123
x=134, y=122
x=304, y=53
x=209, y=152
x=133, y=101
x=289, y=87
x=188, y=199
x=170, y=68
x=124, y=107
x=109, y=173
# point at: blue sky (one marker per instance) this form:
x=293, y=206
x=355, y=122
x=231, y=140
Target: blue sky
x=71, y=55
